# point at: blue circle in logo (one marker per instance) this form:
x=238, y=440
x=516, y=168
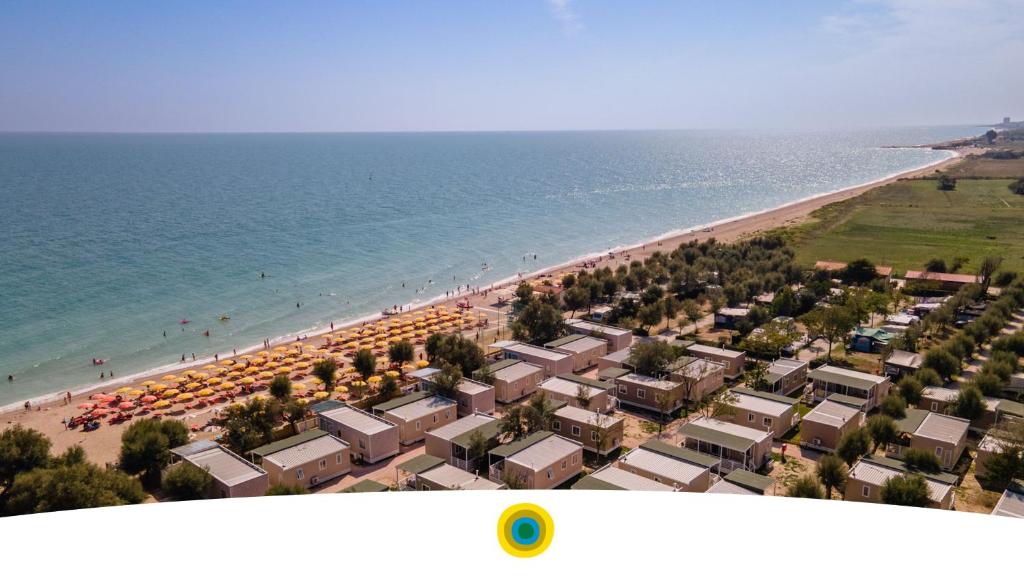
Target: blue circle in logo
x=525, y=531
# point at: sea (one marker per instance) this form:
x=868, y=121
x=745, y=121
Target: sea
x=108, y=242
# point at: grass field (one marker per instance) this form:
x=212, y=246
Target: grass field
x=906, y=223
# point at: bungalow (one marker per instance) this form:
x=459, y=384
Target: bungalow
x=514, y=379
x=935, y=399
x=540, y=461
x=233, y=476
x=417, y=413
x=869, y=474
x=600, y=313
x=742, y=482
x=1011, y=503
x=939, y=281
x=617, y=359
x=901, y=363
x=370, y=438
x=699, y=377
x=728, y=318
x=939, y=434
x=1008, y=409
x=764, y=411
x=610, y=374
x=822, y=427
x=683, y=469
x=648, y=393
x=472, y=396
x=609, y=477
x=733, y=360
x=737, y=446
x=452, y=442
x=864, y=339
x=425, y=472
x=567, y=389
x=585, y=350
x=1016, y=384
x=902, y=319
x=988, y=447
x=598, y=433
x=552, y=361
x=617, y=338
x=307, y=459
x=827, y=380
x=787, y=375
x=365, y=486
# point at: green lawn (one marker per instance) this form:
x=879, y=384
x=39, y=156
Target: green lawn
x=906, y=223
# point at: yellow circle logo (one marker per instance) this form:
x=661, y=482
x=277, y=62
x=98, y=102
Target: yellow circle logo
x=525, y=530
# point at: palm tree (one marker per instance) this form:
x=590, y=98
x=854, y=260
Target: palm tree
x=325, y=371
x=832, y=472
x=539, y=413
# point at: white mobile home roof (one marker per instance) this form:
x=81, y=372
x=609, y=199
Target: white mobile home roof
x=936, y=393
x=831, y=413
x=877, y=475
x=712, y=350
x=545, y=453
x=517, y=371
x=421, y=408
x=724, y=487
x=357, y=419
x=943, y=428
x=472, y=386
x=671, y=469
x=761, y=405
x=453, y=477
x=537, y=351
x=567, y=387
x=580, y=415
x=595, y=327
x=313, y=450
x=584, y=344
x=628, y=480
x=784, y=366
x=460, y=426
x=618, y=356
x=1010, y=504
x=845, y=377
x=635, y=378
x=730, y=428
x=225, y=466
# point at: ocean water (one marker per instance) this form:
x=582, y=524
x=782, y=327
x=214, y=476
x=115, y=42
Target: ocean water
x=107, y=241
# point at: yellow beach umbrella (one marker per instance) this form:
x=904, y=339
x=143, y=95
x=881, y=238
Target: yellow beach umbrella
x=267, y=374
x=148, y=383
x=201, y=375
x=161, y=404
x=422, y=363
x=234, y=374
x=341, y=389
x=374, y=379
x=302, y=365
x=263, y=353
x=168, y=377
x=158, y=387
x=209, y=367
x=245, y=357
x=170, y=393
x=206, y=392
x=321, y=395
x=283, y=370
x=123, y=390
x=188, y=372
x=393, y=373
x=252, y=370
x=193, y=385
x=226, y=362
x=298, y=386
x=271, y=365
x=184, y=397
x=246, y=380
x=213, y=381
x=135, y=393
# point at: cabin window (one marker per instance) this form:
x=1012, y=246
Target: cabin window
x=641, y=393
x=658, y=480
x=574, y=458
x=424, y=488
x=418, y=424
x=556, y=425
x=575, y=430
x=551, y=473
x=362, y=444
x=938, y=451
x=865, y=491
x=623, y=389
x=593, y=435
x=563, y=464
x=435, y=418
x=767, y=422
x=750, y=417
x=323, y=464
x=447, y=414
x=935, y=406
x=657, y=396
x=300, y=474
x=337, y=459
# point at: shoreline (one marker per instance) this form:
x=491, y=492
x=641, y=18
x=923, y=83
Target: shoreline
x=726, y=229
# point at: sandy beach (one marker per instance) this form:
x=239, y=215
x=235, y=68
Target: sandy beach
x=102, y=445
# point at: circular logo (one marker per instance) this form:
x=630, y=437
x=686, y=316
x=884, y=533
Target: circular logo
x=525, y=530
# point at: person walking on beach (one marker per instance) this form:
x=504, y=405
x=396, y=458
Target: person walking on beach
x=10, y=378
x=28, y=405
x=67, y=398
x=193, y=356
x=182, y=357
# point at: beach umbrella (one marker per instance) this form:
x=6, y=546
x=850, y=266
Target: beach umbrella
x=170, y=393
x=234, y=374
x=126, y=405
x=263, y=353
x=193, y=385
x=181, y=380
x=245, y=357
x=159, y=387
x=407, y=367
x=280, y=349
x=123, y=390
x=209, y=367
x=135, y=393
x=298, y=386
x=148, y=383
x=213, y=381
x=252, y=370
x=272, y=365
x=148, y=399
x=266, y=374
x=99, y=396
x=188, y=372
x=246, y=380
x=284, y=370
x=185, y=397
x=86, y=406
x=393, y=373
x=321, y=395
x=168, y=377
x=206, y=392
x=226, y=362
x=422, y=363
x=99, y=412
x=302, y=365
x=374, y=379
x=341, y=389
x=200, y=375
x=161, y=404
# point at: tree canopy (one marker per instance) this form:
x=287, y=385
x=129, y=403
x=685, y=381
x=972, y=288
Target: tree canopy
x=146, y=447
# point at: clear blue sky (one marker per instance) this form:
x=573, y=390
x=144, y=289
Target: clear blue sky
x=516, y=65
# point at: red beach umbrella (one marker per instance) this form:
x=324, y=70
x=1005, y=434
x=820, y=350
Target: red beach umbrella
x=99, y=412
x=148, y=399
x=126, y=405
x=86, y=406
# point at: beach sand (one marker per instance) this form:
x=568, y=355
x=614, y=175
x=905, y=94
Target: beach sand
x=102, y=445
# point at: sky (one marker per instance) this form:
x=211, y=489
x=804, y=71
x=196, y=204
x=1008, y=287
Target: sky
x=428, y=65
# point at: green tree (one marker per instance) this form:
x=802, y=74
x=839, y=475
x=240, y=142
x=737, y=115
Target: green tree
x=401, y=352
x=649, y=316
x=906, y=490
x=477, y=450
x=146, y=447
x=325, y=371
x=832, y=473
x=295, y=412
x=922, y=460
x=538, y=323
x=456, y=350
x=652, y=358
x=853, y=445
x=281, y=387
x=576, y=298
x=250, y=425
x=882, y=430
x=894, y=407
x=1018, y=186
x=388, y=388
x=524, y=292
x=987, y=269
x=485, y=375
x=446, y=382
x=806, y=486
x=910, y=389
x=539, y=413
x=513, y=422
x=946, y=183
x=968, y=403
x=692, y=311
x=583, y=396
x=184, y=481
x=365, y=363
x=858, y=272
x=21, y=450
x=832, y=323
x=784, y=303
x=991, y=135
x=286, y=490
x=81, y=485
